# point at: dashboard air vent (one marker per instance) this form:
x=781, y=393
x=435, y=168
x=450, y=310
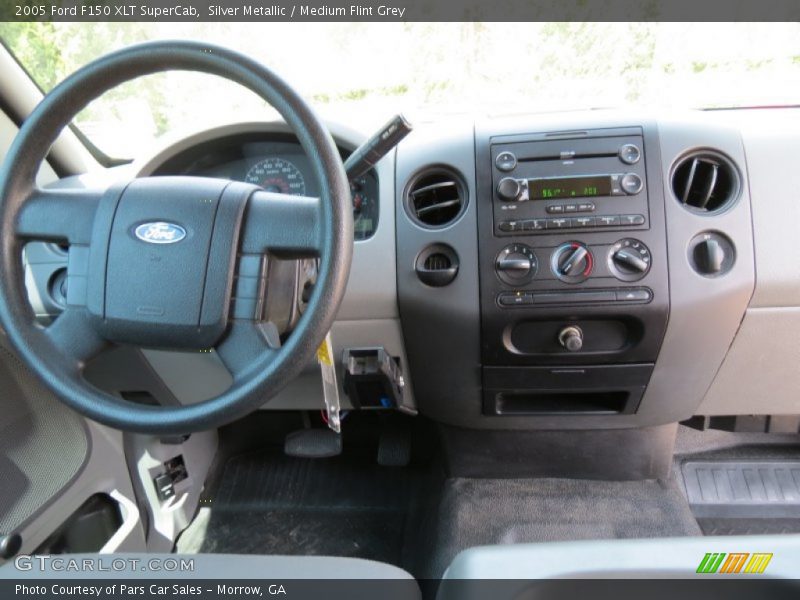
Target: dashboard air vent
x=705, y=182
x=436, y=197
x=437, y=265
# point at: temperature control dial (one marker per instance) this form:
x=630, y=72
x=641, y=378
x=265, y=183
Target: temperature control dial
x=516, y=264
x=629, y=259
x=572, y=262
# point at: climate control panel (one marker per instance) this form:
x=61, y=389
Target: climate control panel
x=573, y=262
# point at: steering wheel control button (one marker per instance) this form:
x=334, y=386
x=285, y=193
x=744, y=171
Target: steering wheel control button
x=516, y=264
x=630, y=154
x=571, y=338
x=505, y=161
x=572, y=262
x=631, y=184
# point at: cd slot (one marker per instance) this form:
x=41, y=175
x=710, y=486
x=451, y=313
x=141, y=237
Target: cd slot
x=564, y=156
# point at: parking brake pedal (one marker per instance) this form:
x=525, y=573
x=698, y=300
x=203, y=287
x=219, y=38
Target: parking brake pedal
x=313, y=443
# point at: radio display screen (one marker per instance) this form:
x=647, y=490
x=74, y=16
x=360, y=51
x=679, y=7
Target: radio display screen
x=557, y=188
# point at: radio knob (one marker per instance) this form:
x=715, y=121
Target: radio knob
x=506, y=161
x=508, y=189
x=630, y=154
x=631, y=183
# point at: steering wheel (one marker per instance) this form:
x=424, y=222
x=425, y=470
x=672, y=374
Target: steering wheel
x=171, y=262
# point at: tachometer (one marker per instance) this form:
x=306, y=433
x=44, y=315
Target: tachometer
x=277, y=175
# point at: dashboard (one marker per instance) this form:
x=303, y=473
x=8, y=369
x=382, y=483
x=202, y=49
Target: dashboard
x=586, y=270
x=277, y=163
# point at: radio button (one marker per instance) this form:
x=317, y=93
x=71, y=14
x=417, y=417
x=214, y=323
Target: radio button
x=586, y=207
x=630, y=154
x=631, y=183
x=508, y=226
x=630, y=220
x=505, y=161
x=558, y=223
x=608, y=221
x=554, y=209
x=534, y=224
x=582, y=222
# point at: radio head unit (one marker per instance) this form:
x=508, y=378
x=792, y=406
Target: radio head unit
x=571, y=184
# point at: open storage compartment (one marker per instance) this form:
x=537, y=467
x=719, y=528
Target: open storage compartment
x=583, y=390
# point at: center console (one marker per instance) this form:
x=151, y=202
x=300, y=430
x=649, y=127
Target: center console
x=573, y=274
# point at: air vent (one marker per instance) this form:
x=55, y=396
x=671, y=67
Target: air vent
x=437, y=265
x=436, y=197
x=705, y=182
x=437, y=262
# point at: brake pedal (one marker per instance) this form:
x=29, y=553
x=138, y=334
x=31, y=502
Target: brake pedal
x=313, y=443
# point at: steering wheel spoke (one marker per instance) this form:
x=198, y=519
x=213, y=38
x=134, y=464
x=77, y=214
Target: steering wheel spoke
x=59, y=215
x=286, y=225
x=72, y=335
x=247, y=345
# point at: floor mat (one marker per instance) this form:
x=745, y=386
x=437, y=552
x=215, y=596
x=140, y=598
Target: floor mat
x=267, y=503
x=507, y=511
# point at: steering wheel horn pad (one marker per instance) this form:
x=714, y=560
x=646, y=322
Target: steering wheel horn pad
x=153, y=277
x=162, y=262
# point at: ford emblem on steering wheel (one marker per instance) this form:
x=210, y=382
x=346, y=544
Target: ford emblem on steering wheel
x=160, y=233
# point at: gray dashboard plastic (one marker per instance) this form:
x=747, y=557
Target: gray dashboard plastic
x=705, y=316
x=760, y=375
x=441, y=325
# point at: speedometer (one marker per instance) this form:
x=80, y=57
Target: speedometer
x=277, y=175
